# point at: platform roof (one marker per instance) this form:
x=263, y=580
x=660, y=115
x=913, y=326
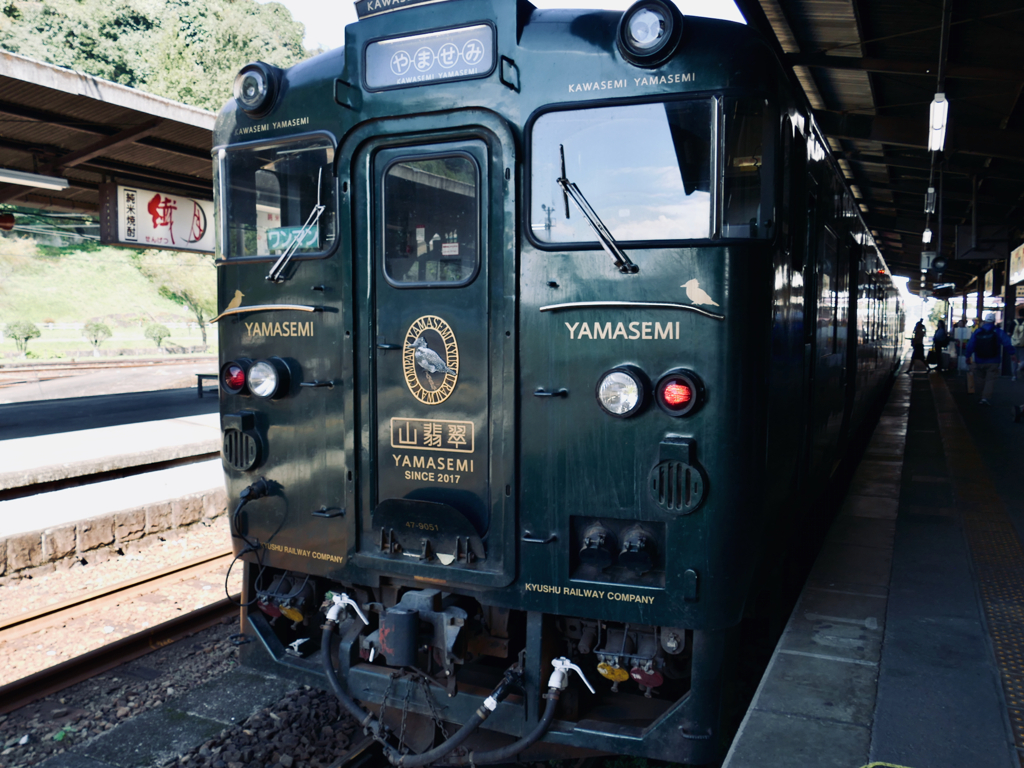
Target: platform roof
x=870, y=69
x=59, y=122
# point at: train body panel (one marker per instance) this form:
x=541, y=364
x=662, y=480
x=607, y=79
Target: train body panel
x=503, y=437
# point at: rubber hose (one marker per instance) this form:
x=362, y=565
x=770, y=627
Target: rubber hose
x=435, y=754
x=509, y=751
x=366, y=720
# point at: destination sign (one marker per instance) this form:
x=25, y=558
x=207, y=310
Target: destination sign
x=280, y=238
x=435, y=57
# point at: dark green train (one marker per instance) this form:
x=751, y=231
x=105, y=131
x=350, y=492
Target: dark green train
x=538, y=330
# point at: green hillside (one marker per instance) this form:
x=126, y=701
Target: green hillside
x=62, y=287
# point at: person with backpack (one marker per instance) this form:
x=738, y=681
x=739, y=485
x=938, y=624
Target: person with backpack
x=984, y=347
x=1018, y=340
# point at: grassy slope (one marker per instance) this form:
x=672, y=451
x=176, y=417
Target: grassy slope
x=99, y=284
x=79, y=286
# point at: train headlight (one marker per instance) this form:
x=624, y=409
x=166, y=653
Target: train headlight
x=621, y=392
x=649, y=32
x=254, y=88
x=269, y=378
x=679, y=392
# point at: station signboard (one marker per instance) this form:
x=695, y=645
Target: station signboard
x=1017, y=266
x=144, y=218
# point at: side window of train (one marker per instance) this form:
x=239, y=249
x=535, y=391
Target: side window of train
x=431, y=219
x=278, y=196
x=645, y=169
x=746, y=186
x=830, y=288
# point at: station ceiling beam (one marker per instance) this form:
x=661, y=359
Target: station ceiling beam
x=905, y=132
x=95, y=129
x=894, y=67
x=9, y=192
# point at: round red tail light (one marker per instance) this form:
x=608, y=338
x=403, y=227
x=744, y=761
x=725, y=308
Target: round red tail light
x=232, y=376
x=679, y=392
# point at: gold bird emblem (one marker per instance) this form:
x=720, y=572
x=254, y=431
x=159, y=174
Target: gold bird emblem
x=236, y=301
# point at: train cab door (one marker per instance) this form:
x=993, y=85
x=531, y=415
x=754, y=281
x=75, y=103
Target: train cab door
x=439, y=438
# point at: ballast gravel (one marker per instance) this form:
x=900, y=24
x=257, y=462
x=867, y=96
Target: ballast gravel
x=305, y=729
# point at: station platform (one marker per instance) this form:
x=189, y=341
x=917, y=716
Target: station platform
x=43, y=524
x=906, y=647
x=49, y=458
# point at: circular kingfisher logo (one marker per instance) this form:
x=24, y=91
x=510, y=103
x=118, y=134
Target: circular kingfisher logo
x=430, y=360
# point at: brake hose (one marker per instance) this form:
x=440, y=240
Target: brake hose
x=557, y=683
x=509, y=751
x=373, y=726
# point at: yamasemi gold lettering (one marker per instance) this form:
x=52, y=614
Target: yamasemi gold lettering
x=292, y=328
x=635, y=330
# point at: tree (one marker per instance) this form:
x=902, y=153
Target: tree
x=96, y=333
x=188, y=50
x=938, y=312
x=157, y=333
x=15, y=253
x=188, y=279
x=21, y=331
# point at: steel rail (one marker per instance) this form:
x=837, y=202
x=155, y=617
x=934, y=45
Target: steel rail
x=142, y=362
x=14, y=375
x=56, y=678
x=34, y=620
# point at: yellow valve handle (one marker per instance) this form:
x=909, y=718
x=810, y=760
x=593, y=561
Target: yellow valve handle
x=291, y=613
x=615, y=674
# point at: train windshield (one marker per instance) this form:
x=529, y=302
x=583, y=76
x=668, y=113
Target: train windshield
x=644, y=168
x=277, y=198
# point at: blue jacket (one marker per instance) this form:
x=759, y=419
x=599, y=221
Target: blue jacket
x=1001, y=337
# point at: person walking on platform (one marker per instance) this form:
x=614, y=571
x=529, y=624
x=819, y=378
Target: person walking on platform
x=917, y=346
x=1018, y=340
x=940, y=340
x=984, y=347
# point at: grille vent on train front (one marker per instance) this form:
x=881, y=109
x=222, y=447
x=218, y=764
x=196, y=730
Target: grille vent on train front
x=240, y=450
x=677, y=486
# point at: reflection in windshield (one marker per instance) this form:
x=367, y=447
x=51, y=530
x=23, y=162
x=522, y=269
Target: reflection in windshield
x=572, y=192
x=645, y=167
x=279, y=199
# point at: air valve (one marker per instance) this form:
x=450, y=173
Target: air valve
x=598, y=548
x=638, y=550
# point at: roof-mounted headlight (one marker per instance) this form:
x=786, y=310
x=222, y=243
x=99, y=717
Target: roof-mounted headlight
x=256, y=88
x=649, y=32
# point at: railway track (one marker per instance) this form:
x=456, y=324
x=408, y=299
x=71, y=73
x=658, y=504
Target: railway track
x=12, y=375
x=35, y=686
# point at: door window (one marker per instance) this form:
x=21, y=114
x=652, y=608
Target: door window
x=431, y=220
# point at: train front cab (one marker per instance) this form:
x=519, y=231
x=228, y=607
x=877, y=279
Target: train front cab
x=501, y=440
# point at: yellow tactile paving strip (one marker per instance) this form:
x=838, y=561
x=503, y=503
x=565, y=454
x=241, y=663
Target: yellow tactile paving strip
x=996, y=553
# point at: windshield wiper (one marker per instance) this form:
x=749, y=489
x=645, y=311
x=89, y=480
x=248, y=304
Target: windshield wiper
x=570, y=190
x=274, y=275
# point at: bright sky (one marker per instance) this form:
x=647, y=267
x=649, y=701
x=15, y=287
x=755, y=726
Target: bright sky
x=325, y=20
